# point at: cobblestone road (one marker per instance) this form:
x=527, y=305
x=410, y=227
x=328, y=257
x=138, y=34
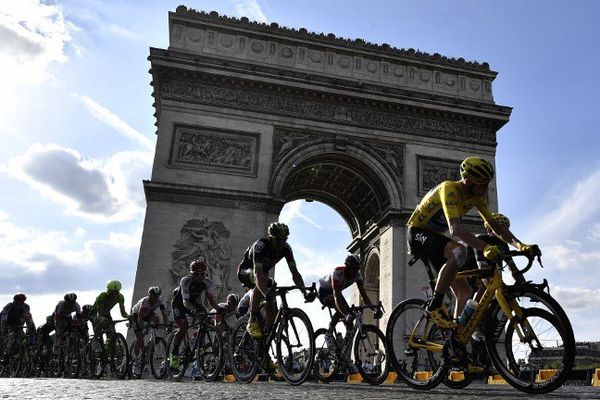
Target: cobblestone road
x=83, y=389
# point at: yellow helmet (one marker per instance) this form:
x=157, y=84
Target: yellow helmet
x=477, y=170
x=501, y=219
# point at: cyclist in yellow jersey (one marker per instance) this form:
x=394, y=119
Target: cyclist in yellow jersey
x=441, y=211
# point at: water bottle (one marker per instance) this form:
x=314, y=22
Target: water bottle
x=467, y=312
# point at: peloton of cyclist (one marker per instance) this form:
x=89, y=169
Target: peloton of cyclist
x=187, y=300
x=329, y=290
x=254, y=269
x=440, y=211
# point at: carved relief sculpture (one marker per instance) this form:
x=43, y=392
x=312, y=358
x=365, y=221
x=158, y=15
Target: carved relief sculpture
x=208, y=240
x=215, y=150
x=434, y=171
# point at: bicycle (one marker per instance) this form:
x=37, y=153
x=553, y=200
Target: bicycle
x=206, y=349
x=368, y=343
x=112, y=353
x=423, y=354
x=70, y=358
x=293, y=338
x=154, y=355
x=15, y=360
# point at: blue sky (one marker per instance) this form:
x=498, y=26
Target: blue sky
x=77, y=132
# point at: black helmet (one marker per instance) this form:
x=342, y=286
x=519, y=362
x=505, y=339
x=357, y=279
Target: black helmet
x=19, y=297
x=352, y=261
x=70, y=297
x=278, y=230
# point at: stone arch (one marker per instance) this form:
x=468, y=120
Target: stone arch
x=350, y=179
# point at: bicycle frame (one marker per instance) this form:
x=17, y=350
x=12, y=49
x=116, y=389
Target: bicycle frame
x=493, y=290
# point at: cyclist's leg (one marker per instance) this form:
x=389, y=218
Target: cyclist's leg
x=139, y=335
x=60, y=328
x=462, y=292
x=179, y=313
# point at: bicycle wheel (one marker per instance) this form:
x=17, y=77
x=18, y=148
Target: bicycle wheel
x=209, y=352
x=326, y=364
x=243, y=357
x=72, y=360
x=94, y=359
x=24, y=363
x=520, y=349
x=135, y=371
x=418, y=367
x=295, y=358
x=183, y=354
x=118, y=356
x=370, y=355
x=158, y=358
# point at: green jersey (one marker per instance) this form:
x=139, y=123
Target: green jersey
x=106, y=301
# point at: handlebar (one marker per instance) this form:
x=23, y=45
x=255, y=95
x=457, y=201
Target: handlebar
x=279, y=290
x=358, y=309
x=530, y=257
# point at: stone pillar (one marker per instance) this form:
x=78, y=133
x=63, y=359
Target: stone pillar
x=220, y=234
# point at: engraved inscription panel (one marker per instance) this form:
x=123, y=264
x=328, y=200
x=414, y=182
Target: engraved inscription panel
x=215, y=150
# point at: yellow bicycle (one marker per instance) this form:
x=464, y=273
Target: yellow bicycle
x=527, y=335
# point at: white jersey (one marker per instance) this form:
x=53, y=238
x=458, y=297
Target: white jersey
x=338, y=280
x=144, y=307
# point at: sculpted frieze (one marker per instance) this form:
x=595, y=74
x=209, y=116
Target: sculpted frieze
x=434, y=171
x=208, y=240
x=215, y=150
x=299, y=107
x=228, y=43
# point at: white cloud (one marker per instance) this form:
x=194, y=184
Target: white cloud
x=292, y=210
x=595, y=232
x=576, y=298
x=32, y=36
x=108, y=117
x=102, y=190
x=250, y=9
x=571, y=254
x=578, y=205
x=45, y=261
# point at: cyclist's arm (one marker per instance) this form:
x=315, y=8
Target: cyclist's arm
x=448, y=197
x=140, y=319
x=261, y=278
x=184, y=286
x=504, y=233
x=163, y=311
x=291, y=262
x=461, y=234
x=29, y=319
x=340, y=304
x=122, y=306
x=211, y=300
x=363, y=293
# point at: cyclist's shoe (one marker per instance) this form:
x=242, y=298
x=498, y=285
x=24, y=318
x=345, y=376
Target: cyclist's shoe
x=137, y=366
x=175, y=361
x=474, y=369
x=352, y=369
x=269, y=366
x=439, y=317
x=253, y=329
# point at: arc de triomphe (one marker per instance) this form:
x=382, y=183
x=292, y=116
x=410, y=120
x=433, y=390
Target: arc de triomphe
x=251, y=116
